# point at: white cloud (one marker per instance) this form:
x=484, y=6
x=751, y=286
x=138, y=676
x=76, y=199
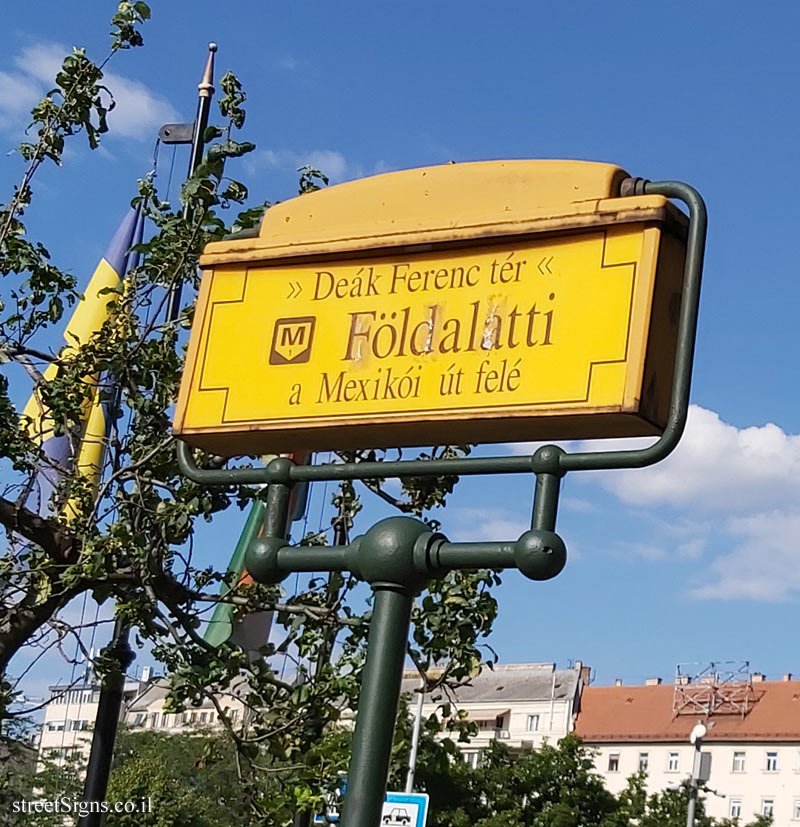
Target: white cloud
x=578, y=505
x=16, y=93
x=331, y=162
x=764, y=562
x=716, y=467
x=732, y=491
x=629, y=550
x=693, y=548
x=42, y=61
x=481, y=524
x=328, y=161
x=138, y=112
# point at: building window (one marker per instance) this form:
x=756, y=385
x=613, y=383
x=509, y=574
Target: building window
x=796, y=810
x=533, y=723
x=55, y=726
x=153, y=720
x=767, y=806
x=471, y=759
x=738, y=762
x=140, y=719
x=736, y=808
x=772, y=762
x=234, y=715
x=164, y=719
x=613, y=762
x=203, y=717
x=644, y=761
x=672, y=762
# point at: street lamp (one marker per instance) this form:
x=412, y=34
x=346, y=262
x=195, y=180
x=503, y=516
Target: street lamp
x=701, y=770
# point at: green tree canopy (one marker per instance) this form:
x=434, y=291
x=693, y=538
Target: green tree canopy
x=192, y=780
x=129, y=535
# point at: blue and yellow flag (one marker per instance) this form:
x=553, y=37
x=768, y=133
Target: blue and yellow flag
x=84, y=449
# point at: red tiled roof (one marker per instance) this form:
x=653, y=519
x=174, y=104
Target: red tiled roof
x=644, y=713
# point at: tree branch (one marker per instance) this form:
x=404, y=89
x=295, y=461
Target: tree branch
x=31, y=526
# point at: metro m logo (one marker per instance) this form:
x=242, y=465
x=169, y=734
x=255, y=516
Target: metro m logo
x=291, y=340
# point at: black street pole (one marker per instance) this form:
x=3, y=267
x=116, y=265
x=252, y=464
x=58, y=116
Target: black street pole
x=113, y=685
x=105, y=725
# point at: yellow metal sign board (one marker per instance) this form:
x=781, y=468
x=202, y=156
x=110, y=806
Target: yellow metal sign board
x=503, y=337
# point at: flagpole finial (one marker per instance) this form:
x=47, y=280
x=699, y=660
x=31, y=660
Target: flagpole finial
x=206, y=85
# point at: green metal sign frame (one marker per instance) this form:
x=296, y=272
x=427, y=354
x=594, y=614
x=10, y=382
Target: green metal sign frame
x=399, y=555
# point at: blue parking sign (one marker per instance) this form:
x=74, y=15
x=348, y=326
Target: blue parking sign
x=399, y=810
x=405, y=810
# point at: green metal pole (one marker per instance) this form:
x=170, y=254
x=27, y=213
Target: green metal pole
x=545, y=502
x=377, y=707
x=276, y=518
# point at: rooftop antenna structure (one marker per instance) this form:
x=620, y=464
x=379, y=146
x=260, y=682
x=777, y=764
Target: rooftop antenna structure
x=713, y=688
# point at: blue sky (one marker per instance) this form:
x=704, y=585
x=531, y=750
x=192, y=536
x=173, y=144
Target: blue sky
x=697, y=559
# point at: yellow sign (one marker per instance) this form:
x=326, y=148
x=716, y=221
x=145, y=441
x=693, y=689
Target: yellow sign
x=528, y=337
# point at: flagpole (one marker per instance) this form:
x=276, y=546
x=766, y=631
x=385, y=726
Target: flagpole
x=113, y=685
x=205, y=91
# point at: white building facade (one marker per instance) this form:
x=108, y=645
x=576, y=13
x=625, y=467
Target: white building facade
x=146, y=711
x=524, y=705
x=69, y=719
x=754, y=742
x=66, y=734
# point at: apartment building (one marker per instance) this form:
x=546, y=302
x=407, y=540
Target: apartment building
x=66, y=733
x=522, y=704
x=146, y=711
x=753, y=736
x=70, y=714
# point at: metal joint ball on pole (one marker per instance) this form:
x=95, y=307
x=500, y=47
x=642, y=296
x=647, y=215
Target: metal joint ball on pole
x=488, y=302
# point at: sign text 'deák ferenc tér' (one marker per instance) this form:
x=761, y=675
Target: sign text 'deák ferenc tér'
x=549, y=318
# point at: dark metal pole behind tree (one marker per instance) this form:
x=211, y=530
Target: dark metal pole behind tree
x=341, y=525
x=113, y=684
x=105, y=724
